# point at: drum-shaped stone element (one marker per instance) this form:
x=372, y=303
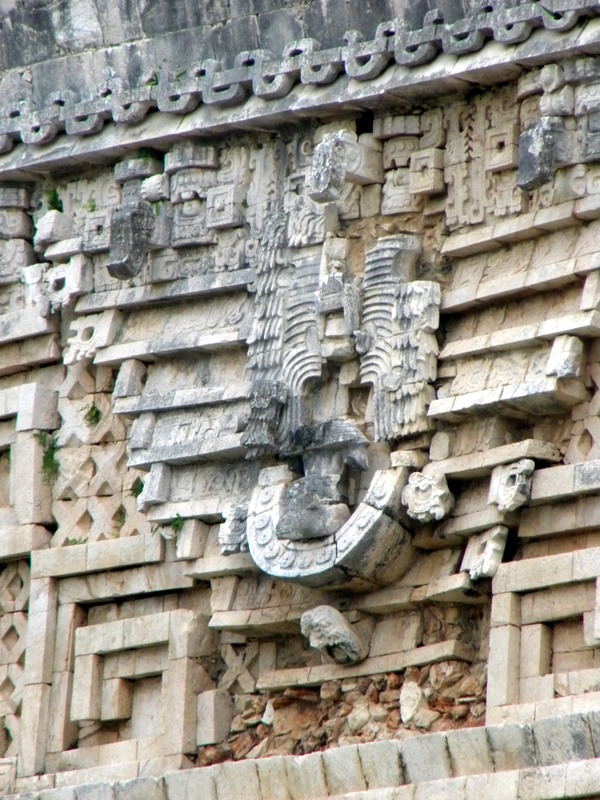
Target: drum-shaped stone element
x=328, y=631
x=427, y=497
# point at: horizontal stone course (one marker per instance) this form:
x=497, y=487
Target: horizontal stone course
x=547, y=760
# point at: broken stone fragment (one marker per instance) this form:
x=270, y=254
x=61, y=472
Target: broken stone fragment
x=328, y=631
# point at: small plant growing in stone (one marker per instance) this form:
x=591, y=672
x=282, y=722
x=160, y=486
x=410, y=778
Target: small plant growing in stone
x=50, y=465
x=176, y=524
x=137, y=487
x=52, y=200
x=119, y=517
x=153, y=79
x=90, y=206
x=144, y=154
x=92, y=416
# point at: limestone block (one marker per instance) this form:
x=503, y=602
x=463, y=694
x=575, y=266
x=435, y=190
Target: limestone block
x=470, y=752
x=52, y=227
x=157, y=484
x=37, y=408
x=542, y=782
x=182, y=681
x=116, y=700
x=224, y=207
x=62, y=251
x=380, y=764
x=398, y=151
x=512, y=746
x=14, y=197
x=77, y=383
x=34, y=728
x=343, y=771
x=14, y=224
x=385, y=127
x=395, y=633
x=306, y=777
x=191, y=154
x=426, y=176
x=273, y=778
x=76, y=428
x=536, y=650
x=506, y=610
x=215, y=712
x=96, y=232
x=192, y=784
x=503, y=666
x=566, y=357
x=33, y=499
x=130, y=380
x=191, y=539
x=504, y=786
x=41, y=630
x=426, y=758
x=187, y=631
x=562, y=739
x=238, y=779
x=136, y=168
x=146, y=630
x=86, y=697
x=442, y=789
x=62, y=732
x=339, y=157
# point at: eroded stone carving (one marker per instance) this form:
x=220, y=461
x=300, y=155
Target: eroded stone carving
x=372, y=548
x=131, y=227
x=427, y=497
x=540, y=148
x=510, y=484
x=340, y=157
x=396, y=342
x=484, y=553
x=283, y=350
x=232, y=532
x=316, y=505
x=328, y=631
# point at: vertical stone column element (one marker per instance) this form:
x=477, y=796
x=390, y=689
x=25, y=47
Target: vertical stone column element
x=38, y=674
x=396, y=340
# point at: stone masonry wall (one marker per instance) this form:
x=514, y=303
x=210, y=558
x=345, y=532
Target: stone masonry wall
x=299, y=380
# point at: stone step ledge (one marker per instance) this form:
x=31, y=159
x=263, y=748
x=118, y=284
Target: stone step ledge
x=547, y=759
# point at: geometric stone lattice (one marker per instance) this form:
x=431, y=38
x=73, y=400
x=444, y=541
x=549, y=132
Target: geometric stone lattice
x=14, y=598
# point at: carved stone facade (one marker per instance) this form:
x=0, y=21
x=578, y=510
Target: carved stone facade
x=299, y=398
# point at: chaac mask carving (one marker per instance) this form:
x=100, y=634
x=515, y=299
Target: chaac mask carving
x=320, y=523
